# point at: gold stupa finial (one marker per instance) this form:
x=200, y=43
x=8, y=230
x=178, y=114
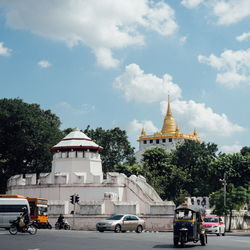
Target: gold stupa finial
x=177, y=131
x=169, y=126
x=195, y=132
x=143, y=132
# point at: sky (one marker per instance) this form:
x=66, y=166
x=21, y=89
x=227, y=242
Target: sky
x=113, y=63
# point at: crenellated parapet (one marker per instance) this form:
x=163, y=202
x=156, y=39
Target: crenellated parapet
x=77, y=168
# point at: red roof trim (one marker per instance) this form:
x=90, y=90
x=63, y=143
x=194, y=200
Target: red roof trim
x=72, y=147
x=80, y=139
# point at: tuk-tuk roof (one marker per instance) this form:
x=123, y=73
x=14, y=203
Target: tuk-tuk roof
x=196, y=209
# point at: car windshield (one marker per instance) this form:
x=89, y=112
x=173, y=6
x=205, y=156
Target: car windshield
x=115, y=217
x=184, y=214
x=211, y=219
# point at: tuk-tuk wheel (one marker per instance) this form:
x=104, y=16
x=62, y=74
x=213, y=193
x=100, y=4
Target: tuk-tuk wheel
x=176, y=241
x=203, y=239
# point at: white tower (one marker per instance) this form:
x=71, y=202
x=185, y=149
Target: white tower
x=77, y=160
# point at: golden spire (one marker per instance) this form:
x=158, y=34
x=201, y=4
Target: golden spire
x=169, y=126
x=143, y=132
x=195, y=132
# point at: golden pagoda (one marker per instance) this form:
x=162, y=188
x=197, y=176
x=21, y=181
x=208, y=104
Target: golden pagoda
x=169, y=126
x=169, y=136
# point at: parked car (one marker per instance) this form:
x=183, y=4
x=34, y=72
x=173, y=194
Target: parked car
x=121, y=223
x=214, y=225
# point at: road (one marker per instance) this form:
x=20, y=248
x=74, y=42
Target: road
x=91, y=240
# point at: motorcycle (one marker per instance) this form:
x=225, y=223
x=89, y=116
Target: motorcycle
x=62, y=225
x=15, y=227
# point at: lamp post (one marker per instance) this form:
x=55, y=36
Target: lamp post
x=224, y=183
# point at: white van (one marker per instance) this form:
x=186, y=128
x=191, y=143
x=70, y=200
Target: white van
x=10, y=209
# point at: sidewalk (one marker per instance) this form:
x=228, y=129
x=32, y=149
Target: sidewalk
x=239, y=231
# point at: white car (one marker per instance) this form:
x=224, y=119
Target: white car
x=214, y=225
x=121, y=223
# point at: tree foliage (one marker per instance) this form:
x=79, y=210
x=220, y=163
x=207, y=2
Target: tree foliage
x=26, y=135
x=116, y=148
x=195, y=159
x=245, y=151
x=235, y=166
x=165, y=177
x=236, y=197
x=193, y=169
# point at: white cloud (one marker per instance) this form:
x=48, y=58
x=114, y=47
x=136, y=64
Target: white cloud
x=191, y=3
x=243, y=37
x=183, y=40
x=196, y=115
x=231, y=11
x=135, y=127
x=44, y=64
x=101, y=25
x=146, y=88
x=233, y=66
x=4, y=51
x=234, y=148
x=134, y=130
x=64, y=107
x=161, y=18
x=226, y=11
x=105, y=58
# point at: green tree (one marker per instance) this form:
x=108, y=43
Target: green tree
x=26, y=135
x=128, y=169
x=166, y=178
x=117, y=150
x=195, y=159
x=236, y=197
x=235, y=166
x=245, y=151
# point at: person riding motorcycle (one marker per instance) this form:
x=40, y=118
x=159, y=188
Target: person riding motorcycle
x=24, y=218
x=60, y=221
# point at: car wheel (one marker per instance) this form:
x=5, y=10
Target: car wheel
x=219, y=232
x=139, y=229
x=117, y=228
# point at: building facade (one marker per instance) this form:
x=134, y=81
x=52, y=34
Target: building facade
x=168, y=138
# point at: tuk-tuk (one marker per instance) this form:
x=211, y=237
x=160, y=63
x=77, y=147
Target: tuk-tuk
x=188, y=225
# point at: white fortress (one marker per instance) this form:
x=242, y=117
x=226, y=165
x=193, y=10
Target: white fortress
x=77, y=168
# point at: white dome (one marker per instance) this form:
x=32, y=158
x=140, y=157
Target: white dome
x=76, y=139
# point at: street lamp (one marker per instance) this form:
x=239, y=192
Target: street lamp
x=224, y=183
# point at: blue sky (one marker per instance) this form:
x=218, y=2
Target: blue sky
x=113, y=63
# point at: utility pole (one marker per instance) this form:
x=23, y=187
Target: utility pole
x=224, y=183
x=74, y=199
x=74, y=211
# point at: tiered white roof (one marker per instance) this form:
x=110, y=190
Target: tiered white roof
x=76, y=139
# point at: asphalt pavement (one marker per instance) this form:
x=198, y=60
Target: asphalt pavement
x=92, y=240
